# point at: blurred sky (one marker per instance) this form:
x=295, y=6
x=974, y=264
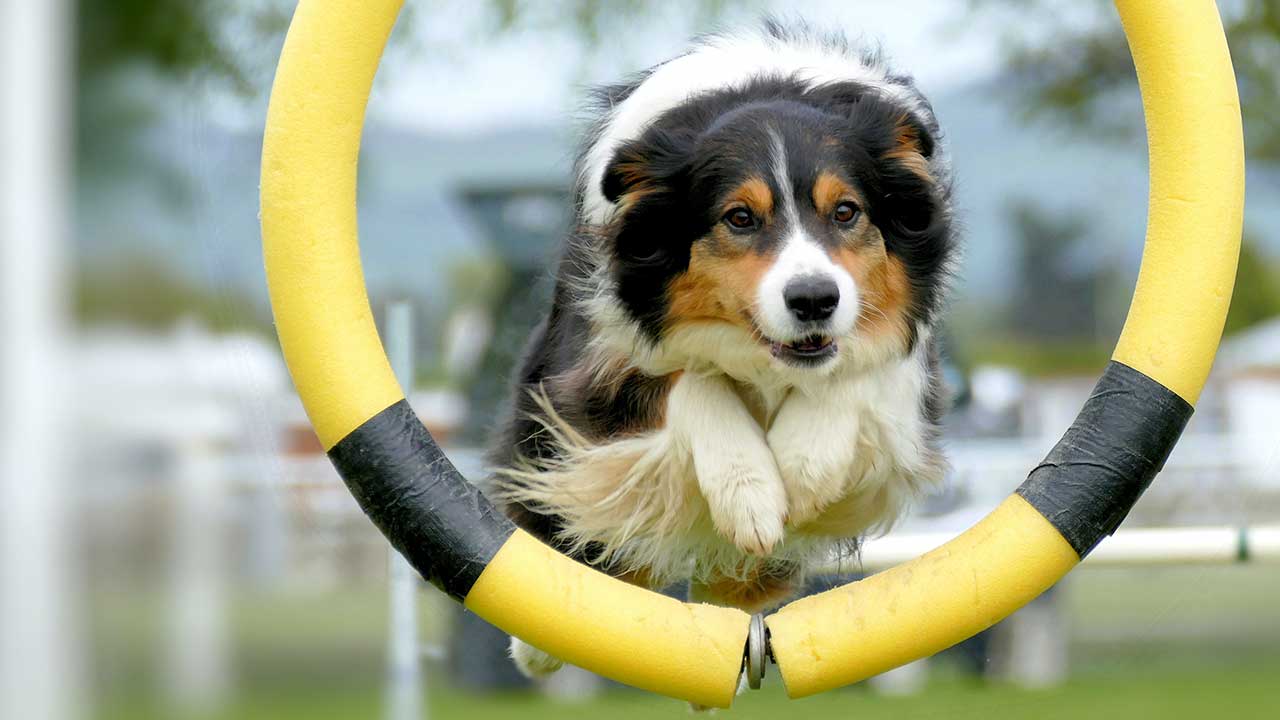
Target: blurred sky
x=456, y=103
x=469, y=82
x=499, y=86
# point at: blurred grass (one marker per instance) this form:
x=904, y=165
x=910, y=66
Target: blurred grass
x=1041, y=358
x=1186, y=642
x=1228, y=692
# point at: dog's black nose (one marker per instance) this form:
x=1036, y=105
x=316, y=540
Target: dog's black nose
x=811, y=298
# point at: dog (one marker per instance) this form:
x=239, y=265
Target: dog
x=738, y=372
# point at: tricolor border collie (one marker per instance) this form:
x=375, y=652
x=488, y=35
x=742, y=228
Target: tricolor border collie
x=738, y=371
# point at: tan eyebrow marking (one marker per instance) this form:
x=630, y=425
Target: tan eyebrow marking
x=829, y=189
x=754, y=192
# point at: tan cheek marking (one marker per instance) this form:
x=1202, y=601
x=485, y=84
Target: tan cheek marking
x=862, y=253
x=885, y=289
x=718, y=286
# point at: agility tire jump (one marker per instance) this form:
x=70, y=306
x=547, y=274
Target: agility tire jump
x=457, y=540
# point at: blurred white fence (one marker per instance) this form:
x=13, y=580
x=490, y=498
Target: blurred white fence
x=157, y=414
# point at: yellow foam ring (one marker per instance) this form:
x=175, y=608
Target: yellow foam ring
x=584, y=617
x=1197, y=191
x=921, y=607
x=309, y=158
x=694, y=652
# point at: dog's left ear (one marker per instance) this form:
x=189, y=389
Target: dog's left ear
x=910, y=193
x=913, y=146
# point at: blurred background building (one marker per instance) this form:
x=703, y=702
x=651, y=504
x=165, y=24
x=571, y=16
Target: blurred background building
x=214, y=565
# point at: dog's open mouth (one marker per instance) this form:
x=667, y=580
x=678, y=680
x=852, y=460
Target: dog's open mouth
x=811, y=350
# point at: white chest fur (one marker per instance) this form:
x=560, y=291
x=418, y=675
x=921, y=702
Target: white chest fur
x=724, y=484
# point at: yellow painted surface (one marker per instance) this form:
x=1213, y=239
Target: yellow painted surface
x=921, y=607
x=1197, y=191
x=584, y=617
x=312, y=256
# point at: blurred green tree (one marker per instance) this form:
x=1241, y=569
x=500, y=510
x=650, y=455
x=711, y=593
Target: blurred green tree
x=127, y=49
x=1062, y=283
x=1257, y=293
x=1069, y=62
x=1070, y=66
x=138, y=290
x=133, y=60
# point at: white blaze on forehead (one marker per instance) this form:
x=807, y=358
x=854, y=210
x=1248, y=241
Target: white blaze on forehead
x=800, y=257
x=778, y=153
x=720, y=63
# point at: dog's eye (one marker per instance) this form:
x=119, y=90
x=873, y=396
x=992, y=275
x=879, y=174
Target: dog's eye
x=740, y=219
x=845, y=213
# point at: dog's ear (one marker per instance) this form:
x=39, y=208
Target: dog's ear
x=909, y=191
x=654, y=162
x=912, y=146
x=626, y=172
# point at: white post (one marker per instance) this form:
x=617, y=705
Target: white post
x=197, y=668
x=404, y=681
x=40, y=668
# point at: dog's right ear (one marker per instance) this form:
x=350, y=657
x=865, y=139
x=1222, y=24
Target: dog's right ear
x=639, y=167
x=626, y=173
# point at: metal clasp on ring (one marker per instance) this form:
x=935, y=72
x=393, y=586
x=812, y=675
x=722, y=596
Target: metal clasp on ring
x=757, y=651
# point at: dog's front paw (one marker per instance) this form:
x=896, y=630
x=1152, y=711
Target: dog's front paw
x=814, y=456
x=532, y=662
x=747, y=502
x=734, y=467
x=812, y=484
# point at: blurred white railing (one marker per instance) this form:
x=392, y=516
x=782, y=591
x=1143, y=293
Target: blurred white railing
x=1135, y=547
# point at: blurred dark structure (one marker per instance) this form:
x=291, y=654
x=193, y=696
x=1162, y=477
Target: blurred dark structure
x=524, y=224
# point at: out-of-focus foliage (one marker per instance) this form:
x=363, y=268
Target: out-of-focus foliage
x=477, y=281
x=1257, y=292
x=137, y=290
x=1059, y=319
x=173, y=37
x=137, y=60
x=126, y=48
x=1070, y=61
x=1048, y=293
x=1063, y=281
x=1069, y=64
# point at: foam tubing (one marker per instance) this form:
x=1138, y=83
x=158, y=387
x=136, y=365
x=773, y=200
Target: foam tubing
x=446, y=529
x=1129, y=424
x=456, y=539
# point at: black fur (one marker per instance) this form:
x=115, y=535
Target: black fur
x=688, y=157
x=671, y=178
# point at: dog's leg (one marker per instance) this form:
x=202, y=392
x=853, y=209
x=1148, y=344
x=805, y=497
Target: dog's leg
x=532, y=662
x=814, y=440
x=735, y=469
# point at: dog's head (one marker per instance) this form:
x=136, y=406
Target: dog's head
x=807, y=217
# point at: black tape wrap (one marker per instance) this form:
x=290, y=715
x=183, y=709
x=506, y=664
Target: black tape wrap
x=442, y=524
x=1091, y=479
